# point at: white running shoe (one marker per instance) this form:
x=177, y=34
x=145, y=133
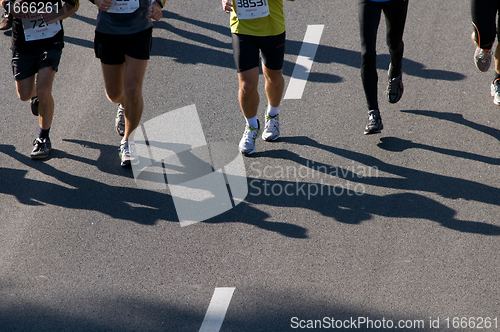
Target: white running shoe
x=120, y=120
x=247, y=143
x=271, y=130
x=128, y=155
x=495, y=92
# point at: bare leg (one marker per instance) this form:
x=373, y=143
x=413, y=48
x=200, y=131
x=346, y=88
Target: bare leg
x=133, y=101
x=45, y=79
x=248, y=94
x=275, y=84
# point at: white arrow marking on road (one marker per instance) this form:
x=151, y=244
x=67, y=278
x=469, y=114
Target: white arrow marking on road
x=217, y=309
x=304, y=62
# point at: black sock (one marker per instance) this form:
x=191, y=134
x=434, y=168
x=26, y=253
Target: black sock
x=44, y=133
x=497, y=76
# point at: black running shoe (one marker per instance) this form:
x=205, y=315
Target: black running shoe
x=34, y=106
x=395, y=88
x=374, y=125
x=41, y=148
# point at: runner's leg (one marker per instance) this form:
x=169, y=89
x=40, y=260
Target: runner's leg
x=45, y=79
x=395, y=18
x=275, y=84
x=483, y=14
x=26, y=88
x=113, y=82
x=248, y=94
x=369, y=20
x=132, y=87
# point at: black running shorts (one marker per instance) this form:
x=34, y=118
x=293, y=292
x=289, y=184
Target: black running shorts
x=111, y=49
x=246, y=51
x=27, y=65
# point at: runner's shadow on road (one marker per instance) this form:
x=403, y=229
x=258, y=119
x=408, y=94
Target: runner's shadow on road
x=142, y=206
x=85, y=19
x=396, y=144
x=223, y=30
x=328, y=54
x=79, y=42
x=355, y=208
x=408, y=178
x=458, y=119
x=247, y=213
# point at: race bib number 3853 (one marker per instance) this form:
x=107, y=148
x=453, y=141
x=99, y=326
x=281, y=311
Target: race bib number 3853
x=249, y=9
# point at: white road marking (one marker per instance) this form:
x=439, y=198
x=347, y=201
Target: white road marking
x=304, y=62
x=217, y=309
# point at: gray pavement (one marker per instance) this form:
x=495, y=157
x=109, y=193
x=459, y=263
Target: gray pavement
x=84, y=248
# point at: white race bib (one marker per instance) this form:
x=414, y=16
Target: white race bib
x=35, y=28
x=124, y=6
x=249, y=9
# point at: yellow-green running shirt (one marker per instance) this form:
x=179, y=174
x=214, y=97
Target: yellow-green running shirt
x=271, y=25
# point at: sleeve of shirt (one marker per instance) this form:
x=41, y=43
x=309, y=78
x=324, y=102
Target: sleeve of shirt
x=74, y=3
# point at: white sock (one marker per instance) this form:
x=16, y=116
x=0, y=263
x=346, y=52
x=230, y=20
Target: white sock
x=252, y=122
x=272, y=111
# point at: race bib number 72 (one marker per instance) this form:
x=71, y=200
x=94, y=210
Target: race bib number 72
x=35, y=28
x=249, y=9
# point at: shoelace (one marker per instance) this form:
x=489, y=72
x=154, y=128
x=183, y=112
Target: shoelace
x=39, y=140
x=124, y=148
x=250, y=134
x=272, y=122
x=372, y=119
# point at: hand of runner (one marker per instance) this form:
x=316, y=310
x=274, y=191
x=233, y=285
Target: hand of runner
x=15, y=10
x=104, y=5
x=6, y=4
x=227, y=5
x=155, y=12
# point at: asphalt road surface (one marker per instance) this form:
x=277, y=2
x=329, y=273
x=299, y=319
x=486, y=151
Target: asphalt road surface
x=337, y=229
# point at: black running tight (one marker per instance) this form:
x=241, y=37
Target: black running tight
x=484, y=20
x=369, y=15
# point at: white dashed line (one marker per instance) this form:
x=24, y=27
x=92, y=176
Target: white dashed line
x=217, y=309
x=304, y=62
